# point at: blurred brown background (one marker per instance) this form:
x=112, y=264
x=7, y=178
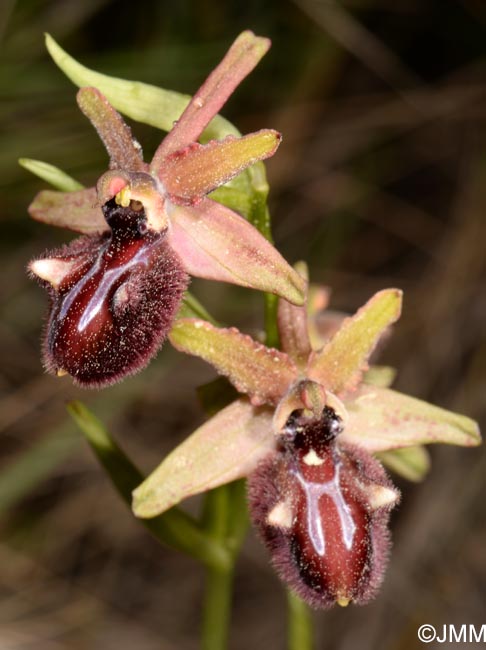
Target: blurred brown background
x=380, y=181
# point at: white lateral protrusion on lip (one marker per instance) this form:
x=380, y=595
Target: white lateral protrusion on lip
x=311, y=458
x=380, y=496
x=281, y=515
x=52, y=270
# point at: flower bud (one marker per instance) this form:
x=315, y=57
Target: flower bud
x=322, y=509
x=113, y=298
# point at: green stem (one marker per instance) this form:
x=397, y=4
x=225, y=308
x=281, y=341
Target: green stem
x=299, y=626
x=272, y=338
x=217, y=605
x=260, y=218
x=225, y=521
x=219, y=580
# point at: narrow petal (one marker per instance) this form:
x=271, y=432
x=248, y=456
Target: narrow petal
x=78, y=211
x=51, y=174
x=293, y=327
x=263, y=373
x=380, y=419
x=217, y=244
x=304, y=394
x=412, y=463
x=241, y=58
x=124, y=151
x=227, y=447
x=340, y=364
x=198, y=169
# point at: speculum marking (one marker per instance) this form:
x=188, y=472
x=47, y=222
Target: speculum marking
x=313, y=492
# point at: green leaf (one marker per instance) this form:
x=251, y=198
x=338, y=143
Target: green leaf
x=175, y=528
x=192, y=308
x=234, y=199
x=227, y=447
x=381, y=419
x=412, y=463
x=340, y=364
x=52, y=175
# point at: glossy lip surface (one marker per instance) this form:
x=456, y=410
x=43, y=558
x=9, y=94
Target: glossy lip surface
x=331, y=546
x=115, y=307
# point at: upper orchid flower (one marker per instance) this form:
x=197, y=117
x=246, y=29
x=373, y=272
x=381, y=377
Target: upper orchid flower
x=115, y=292
x=306, y=437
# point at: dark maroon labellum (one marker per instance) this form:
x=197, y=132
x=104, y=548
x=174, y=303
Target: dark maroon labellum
x=322, y=509
x=114, y=306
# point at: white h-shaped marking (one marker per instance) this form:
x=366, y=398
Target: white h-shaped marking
x=313, y=492
x=97, y=299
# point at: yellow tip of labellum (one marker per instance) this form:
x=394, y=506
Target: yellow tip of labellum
x=61, y=372
x=342, y=601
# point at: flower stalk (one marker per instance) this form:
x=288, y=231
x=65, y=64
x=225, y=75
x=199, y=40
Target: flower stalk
x=300, y=632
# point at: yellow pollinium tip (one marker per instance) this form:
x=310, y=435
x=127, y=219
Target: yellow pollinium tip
x=342, y=601
x=123, y=197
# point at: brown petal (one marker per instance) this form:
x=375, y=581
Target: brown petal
x=304, y=394
x=292, y=326
x=263, y=373
x=124, y=151
x=340, y=364
x=239, y=61
x=78, y=211
x=227, y=447
x=217, y=244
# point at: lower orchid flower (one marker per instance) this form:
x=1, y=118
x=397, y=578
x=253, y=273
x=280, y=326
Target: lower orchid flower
x=115, y=291
x=307, y=436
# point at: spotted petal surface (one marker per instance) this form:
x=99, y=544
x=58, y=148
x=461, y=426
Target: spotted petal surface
x=263, y=373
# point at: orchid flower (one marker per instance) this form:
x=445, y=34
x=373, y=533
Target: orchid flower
x=115, y=291
x=307, y=434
